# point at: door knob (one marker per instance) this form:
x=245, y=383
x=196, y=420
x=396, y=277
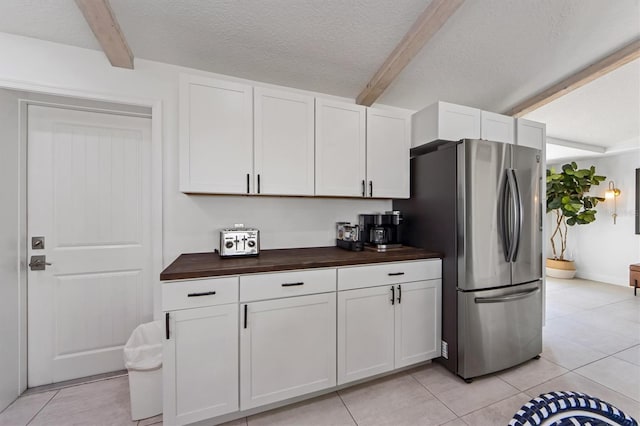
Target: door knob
x=38, y=263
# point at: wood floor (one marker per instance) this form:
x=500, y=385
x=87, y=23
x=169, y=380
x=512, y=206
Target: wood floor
x=591, y=345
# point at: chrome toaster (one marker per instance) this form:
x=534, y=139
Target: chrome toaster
x=239, y=241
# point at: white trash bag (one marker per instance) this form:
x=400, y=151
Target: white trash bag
x=143, y=350
x=143, y=359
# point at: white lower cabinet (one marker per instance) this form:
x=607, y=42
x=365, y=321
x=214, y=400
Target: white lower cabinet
x=417, y=322
x=365, y=333
x=240, y=342
x=287, y=348
x=201, y=364
x=387, y=327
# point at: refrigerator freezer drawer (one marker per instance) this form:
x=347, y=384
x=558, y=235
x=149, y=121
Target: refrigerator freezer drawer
x=499, y=328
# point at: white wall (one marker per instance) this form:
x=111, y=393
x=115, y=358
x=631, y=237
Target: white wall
x=603, y=251
x=190, y=222
x=9, y=255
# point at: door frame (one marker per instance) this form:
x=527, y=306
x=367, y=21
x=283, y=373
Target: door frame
x=156, y=191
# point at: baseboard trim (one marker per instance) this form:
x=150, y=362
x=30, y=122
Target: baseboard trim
x=75, y=382
x=622, y=280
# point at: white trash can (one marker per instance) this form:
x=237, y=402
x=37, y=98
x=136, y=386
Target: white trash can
x=143, y=360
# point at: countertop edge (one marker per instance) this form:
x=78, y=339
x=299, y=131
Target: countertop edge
x=410, y=255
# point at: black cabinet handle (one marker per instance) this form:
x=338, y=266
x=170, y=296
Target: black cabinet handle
x=364, y=185
x=248, y=181
x=258, y=183
x=394, y=274
x=206, y=293
x=292, y=284
x=399, y=294
x=393, y=295
x=245, y=316
x=370, y=188
x=166, y=324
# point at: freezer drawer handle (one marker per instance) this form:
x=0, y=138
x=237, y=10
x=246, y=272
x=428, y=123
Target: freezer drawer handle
x=508, y=298
x=206, y=293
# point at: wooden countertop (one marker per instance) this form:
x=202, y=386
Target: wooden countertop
x=200, y=265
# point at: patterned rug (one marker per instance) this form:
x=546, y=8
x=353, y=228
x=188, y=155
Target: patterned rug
x=570, y=409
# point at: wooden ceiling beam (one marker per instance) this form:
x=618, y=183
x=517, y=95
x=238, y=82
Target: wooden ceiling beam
x=586, y=75
x=427, y=24
x=104, y=25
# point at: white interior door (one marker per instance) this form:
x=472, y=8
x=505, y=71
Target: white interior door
x=89, y=197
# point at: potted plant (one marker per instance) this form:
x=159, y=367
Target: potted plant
x=567, y=199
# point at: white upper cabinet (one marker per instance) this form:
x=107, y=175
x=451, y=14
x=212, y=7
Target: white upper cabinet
x=340, y=149
x=284, y=143
x=531, y=133
x=216, y=136
x=388, y=139
x=361, y=152
x=445, y=121
x=239, y=139
x=497, y=127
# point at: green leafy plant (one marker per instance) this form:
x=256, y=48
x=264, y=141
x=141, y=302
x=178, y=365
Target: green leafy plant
x=566, y=197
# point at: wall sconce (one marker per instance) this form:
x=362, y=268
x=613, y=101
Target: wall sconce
x=612, y=193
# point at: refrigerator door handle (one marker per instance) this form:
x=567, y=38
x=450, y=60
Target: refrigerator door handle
x=503, y=216
x=515, y=221
x=508, y=298
x=517, y=226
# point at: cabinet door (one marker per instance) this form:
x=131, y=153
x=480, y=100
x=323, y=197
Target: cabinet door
x=417, y=322
x=340, y=149
x=287, y=348
x=457, y=122
x=388, y=138
x=497, y=127
x=200, y=365
x=531, y=133
x=216, y=136
x=284, y=143
x=365, y=333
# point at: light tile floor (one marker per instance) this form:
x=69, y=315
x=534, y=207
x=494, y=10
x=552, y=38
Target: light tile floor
x=591, y=345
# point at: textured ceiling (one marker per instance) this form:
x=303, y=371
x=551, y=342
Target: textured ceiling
x=605, y=112
x=491, y=54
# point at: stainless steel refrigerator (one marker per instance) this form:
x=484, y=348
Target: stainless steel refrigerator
x=478, y=203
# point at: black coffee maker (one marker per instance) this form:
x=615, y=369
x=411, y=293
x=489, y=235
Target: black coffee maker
x=381, y=230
